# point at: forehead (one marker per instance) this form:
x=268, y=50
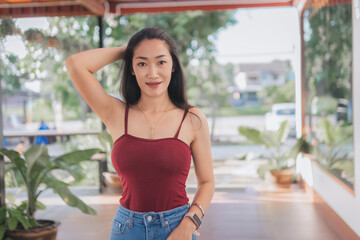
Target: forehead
x=151, y=48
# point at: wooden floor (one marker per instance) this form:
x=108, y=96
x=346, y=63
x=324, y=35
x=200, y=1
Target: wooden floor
x=239, y=214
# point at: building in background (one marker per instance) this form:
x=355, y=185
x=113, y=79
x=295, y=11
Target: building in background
x=250, y=78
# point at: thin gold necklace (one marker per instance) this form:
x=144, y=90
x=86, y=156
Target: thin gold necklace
x=153, y=125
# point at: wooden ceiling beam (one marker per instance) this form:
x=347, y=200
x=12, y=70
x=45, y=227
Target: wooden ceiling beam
x=37, y=8
x=95, y=6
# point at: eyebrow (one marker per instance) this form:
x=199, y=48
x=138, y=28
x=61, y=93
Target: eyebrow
x=145, y=58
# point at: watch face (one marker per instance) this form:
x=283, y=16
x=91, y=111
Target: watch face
x=197, y=219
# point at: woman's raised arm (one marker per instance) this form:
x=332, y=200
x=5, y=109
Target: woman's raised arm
x=82, y=66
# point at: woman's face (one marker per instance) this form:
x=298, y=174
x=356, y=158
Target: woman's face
x=152, y=67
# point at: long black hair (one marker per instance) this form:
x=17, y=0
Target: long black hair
x=130, y=89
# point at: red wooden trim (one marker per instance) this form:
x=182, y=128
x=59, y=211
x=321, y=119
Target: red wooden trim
x=53, y=11
x=317, y=3
x=330, y=216
x=202, y=8
x=77, y=10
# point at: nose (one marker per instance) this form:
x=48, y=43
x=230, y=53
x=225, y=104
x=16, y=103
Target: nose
x=153, y=73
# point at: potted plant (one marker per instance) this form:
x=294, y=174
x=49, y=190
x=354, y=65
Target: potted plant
x=281, y=157
x=36, y=168
x=331, y=148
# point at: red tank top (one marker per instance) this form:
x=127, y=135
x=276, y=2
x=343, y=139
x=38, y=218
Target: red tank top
x=153, y=171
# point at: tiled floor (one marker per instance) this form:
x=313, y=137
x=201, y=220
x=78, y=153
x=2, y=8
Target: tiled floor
x=236, y=214
x=249, y=210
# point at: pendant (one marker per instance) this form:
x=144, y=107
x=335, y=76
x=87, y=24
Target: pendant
x=152, y=130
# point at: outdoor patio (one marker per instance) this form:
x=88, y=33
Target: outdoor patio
x=251, y=209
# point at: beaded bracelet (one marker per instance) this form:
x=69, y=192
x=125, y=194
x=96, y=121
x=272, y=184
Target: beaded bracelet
x=200, y=207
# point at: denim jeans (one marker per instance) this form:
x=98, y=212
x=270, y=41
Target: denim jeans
x=131, y=225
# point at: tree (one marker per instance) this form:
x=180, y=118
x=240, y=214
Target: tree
x=328, y=51
x=210, y=81
x=9, y=63
x=193, y=32
x=279, y=93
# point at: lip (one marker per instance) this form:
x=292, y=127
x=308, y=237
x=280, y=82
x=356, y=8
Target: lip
x=153, y=84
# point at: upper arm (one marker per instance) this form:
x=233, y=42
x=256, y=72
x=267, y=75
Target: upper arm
x=90, y=89
x=201, y=147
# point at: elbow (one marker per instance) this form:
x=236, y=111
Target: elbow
x=209, y=184
x=68, y=62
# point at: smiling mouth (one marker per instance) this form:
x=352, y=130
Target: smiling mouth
x=153, y=84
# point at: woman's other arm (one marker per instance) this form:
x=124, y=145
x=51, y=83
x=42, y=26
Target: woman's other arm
x=82, y=66
x=201, y=152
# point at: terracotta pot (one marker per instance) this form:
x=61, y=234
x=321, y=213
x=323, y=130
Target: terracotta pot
x=283, y=178
x=46, y=231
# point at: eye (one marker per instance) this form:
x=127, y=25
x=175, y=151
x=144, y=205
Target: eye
x=141, y=64
x=162, y=62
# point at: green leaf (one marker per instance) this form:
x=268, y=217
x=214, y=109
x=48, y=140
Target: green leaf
x=295, y=150
x=12, y=223
x=36, y=155
x=40, y=205
x=2, y=231
x=270, y=139
x=326, y=132
x=72, y=200
x=346, y=166
x=11, y=198
x=2, y=214
x=283, y=132
x=252, y=134
x=33, y=222
x=15, y=158
x=69, y=198
x=25, y=222
x=74, y=170
x=265, y=168
x=77, y=156
x=19, y=216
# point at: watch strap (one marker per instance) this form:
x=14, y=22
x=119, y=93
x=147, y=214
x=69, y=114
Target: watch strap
x=200, y=207
x=196, y=220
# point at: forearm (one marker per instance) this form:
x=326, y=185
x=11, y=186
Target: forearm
x=203, y=197
x=95, y=59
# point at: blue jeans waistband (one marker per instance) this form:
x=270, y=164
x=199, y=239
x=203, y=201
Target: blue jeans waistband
x=143, y=217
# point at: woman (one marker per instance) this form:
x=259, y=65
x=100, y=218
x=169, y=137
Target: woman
x=154, y=137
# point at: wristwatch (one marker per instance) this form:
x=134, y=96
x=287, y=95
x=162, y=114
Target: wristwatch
x=196, y=220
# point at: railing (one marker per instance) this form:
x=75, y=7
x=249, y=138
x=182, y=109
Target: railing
x=100, y=157
x=48, y=133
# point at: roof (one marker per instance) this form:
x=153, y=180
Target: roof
x=37, y=8
x=278, y=67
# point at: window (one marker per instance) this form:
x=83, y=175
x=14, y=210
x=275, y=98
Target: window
x=328, y=75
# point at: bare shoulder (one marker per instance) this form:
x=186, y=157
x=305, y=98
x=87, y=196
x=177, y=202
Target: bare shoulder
x=198, y=118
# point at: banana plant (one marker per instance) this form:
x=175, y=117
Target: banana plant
x=331, y=151
x=279, y=156
x=36, y=168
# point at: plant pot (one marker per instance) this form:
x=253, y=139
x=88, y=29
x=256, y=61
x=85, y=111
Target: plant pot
x=284, y=177
x=46, y=231
x=112, y=180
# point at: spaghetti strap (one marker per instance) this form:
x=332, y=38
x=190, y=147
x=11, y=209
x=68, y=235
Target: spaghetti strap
x=178, y=131
x=126, y=117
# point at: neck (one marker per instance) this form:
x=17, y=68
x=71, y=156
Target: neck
x=158, y=104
